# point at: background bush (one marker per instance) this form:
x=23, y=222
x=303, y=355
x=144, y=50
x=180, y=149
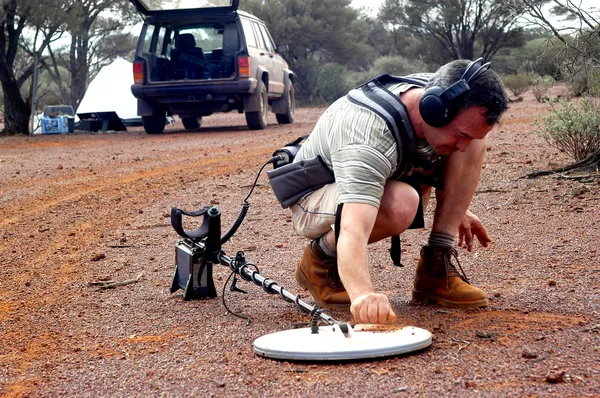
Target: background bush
x=540, y=86
x=517, y=83
x=574, y=129
x=333, y=82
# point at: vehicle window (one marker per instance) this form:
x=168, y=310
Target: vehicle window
x=267, y=38
x=161, y=43
x=261, y=41
x=207, y=37
x=249, y=34
x=148, y=38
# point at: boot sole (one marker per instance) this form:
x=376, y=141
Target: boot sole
x=428, y=298
x=305, y=284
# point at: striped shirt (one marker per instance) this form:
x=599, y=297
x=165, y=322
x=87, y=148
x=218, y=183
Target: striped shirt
x=358, y=146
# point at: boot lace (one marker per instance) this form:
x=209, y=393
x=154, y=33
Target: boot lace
x=451, y=269
x=333, y=276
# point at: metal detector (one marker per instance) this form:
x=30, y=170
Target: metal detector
x=200, y=249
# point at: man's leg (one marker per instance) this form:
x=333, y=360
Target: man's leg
x=313, y=217
x=437, y=278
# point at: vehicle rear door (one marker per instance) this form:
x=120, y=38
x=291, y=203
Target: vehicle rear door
x=167, y=8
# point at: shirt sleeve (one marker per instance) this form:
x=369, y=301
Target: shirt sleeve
x=360, y=174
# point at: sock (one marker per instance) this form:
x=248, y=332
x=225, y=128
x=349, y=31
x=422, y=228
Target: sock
x=440, y=239
x=324, y=245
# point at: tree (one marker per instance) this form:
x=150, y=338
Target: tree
x=16, y=18
x=580, y=40
x=462, y=28
x=318, y=32
x=96, y=31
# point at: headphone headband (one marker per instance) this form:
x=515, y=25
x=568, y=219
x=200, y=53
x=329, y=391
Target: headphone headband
x=438, y=106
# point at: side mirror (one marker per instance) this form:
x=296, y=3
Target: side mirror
x=283, y=48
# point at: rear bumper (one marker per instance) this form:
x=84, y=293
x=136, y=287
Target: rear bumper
x=201, y=91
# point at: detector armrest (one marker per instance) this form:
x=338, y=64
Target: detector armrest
x=177, y=223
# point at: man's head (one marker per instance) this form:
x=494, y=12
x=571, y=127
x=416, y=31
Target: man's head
x=477, y=111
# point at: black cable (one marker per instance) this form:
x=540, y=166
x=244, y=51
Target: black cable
x=272, y=160
x=235, y=270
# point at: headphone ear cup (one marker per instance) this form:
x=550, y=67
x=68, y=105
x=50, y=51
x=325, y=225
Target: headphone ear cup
x=434, y=110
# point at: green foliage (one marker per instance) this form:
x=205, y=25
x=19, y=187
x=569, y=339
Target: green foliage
x=518, y=83
x=318, y=32
x=333, y=82
x=574, y=129
x=540, y=86
x=463, y=28
x=396, y=66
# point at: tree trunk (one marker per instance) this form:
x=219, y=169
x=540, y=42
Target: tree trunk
x=16, y=110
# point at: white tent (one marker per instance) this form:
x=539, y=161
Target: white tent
x=110, y=91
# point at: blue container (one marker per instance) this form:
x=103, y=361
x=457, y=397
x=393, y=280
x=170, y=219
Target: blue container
x=55, y=125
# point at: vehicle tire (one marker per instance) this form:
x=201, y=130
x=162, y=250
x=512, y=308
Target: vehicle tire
x=155, y=124
x=258, y=120
x=191, y=123
x=288, y=117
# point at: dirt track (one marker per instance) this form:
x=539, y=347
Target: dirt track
x=68, y=200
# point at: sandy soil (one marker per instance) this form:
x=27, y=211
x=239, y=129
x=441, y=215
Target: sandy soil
x=88, y=207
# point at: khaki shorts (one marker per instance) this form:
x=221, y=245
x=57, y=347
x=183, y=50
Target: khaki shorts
x=314, y=214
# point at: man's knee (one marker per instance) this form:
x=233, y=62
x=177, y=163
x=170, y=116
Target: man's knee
x=399, y=205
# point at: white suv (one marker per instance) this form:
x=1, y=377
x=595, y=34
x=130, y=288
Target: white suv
x=208, y=57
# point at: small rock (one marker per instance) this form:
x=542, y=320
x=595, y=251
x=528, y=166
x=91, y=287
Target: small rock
x=279, y=245
x=529, y=354
x=556, y=376
x=470, y=384
x=140, y=211
x=485, y=335
x=551, y=282
x=98, y=257
x=214, y=202
x=60, y=167
x=250, y=248
x=400, y=389
x=497, y=295
x=28, y=283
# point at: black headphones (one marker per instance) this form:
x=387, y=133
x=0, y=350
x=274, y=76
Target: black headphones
x=438, y=106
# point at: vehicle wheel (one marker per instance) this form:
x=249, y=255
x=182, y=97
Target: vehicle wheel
x=288, y=117
x=258, y=120
x=191, y=123
x=155, y=124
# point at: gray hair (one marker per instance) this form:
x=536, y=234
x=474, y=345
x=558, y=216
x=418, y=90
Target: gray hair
x=487, y=89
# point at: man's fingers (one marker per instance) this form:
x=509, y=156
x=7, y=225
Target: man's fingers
x=469, y=239
x=373, y=308
x=482, y=236
x=391, y=317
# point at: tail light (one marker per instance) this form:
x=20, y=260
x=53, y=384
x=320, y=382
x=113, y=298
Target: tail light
x=244, y=66
x=138, y=72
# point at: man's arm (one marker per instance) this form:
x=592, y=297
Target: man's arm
x=356, y=225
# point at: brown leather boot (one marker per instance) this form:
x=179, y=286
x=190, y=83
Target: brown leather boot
x=438, y=280
x=318, y=273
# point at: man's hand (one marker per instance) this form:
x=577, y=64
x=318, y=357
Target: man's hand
x=471, y=225
x=372, y=308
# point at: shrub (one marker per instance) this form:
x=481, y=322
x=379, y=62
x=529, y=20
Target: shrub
x=574, y=129
x=333, y=82
x=518, y=83
x=396, y=66
x=540, y=86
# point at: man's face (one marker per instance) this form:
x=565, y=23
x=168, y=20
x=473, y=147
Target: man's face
x=468, y=125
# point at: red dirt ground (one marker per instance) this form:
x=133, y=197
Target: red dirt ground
x=68, y=200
